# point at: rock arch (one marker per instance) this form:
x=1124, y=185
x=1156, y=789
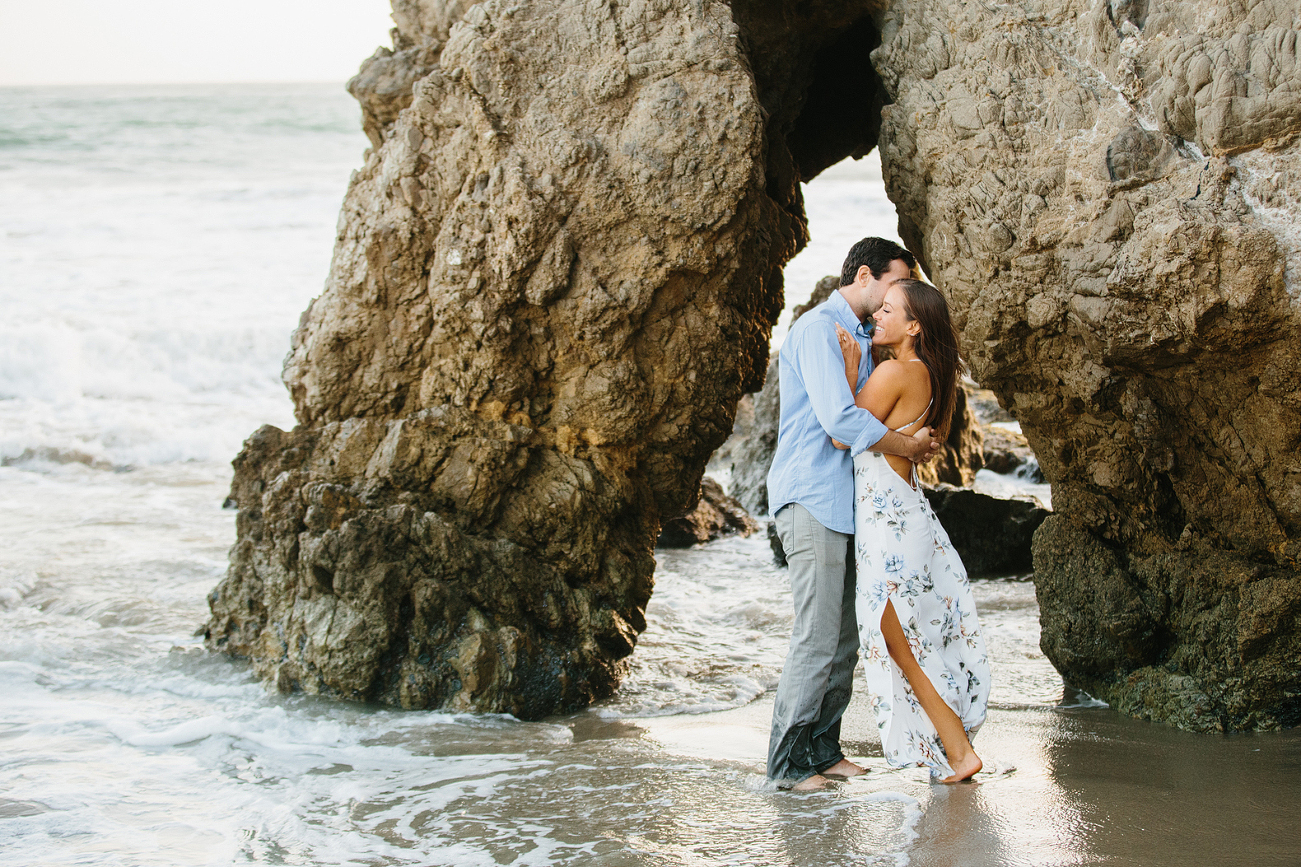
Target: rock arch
x=559, y=267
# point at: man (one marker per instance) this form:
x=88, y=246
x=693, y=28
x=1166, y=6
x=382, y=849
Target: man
x=811, y=490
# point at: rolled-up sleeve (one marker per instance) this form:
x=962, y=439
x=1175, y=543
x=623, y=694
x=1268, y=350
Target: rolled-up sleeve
x=822, y=366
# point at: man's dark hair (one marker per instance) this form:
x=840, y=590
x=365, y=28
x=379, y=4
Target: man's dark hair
x=876, y=254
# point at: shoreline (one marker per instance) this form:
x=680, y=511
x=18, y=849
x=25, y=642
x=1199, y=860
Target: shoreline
x=1061, y=785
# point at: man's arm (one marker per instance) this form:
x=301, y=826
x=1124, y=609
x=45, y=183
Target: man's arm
x=918, y=448
x=879, y=396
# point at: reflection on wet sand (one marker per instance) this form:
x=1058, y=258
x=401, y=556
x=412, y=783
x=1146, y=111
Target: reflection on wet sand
x=1066, y=781
x=1154, y=795
x=1062, y=786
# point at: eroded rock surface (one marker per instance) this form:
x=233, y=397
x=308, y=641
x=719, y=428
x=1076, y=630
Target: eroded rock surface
x=558, y=269
x=1108, y=192
x=555, y=275
x=715, y=516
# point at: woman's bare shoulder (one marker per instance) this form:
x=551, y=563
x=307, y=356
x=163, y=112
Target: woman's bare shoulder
x=911, y=368
x=888, y=379
x=891, y=370
x=900, y=376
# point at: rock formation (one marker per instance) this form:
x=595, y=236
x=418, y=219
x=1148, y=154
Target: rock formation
x=555, y=275
x=775, y=545
x=558, y=269
x=1006, y=452
x=1003, y=450
x=991, y=535
x=1108, y=193
x=715, y=516
x=754, y=447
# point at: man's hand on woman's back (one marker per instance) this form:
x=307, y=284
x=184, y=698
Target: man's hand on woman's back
x=927, y=446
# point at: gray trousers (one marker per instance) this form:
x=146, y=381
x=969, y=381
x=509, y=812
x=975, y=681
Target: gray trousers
x=818, y=677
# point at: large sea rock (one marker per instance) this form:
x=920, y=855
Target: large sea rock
x=557, y=272
x=1109, y=193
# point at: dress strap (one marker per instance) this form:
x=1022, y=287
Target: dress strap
x=919, y=418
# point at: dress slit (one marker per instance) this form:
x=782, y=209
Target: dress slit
x=904, y=557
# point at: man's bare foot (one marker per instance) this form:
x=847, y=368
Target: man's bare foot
x=810, y=784
x=964, y=769
x=844, y=769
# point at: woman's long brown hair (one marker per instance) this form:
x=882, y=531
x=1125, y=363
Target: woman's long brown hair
x=937, y=346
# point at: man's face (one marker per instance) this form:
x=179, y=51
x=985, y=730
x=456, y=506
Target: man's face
x=876, y=288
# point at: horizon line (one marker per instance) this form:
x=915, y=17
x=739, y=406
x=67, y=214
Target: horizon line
x=14, y=85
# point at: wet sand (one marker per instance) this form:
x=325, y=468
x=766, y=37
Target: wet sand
x=128, y=744
x=1060, y=786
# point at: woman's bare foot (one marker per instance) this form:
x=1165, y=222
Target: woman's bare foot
x=964, y=769
x=810, y=784
x=844, y=769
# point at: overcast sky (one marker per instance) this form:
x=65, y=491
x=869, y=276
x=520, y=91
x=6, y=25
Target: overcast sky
x=151, y=41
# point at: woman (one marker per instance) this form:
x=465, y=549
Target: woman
x=925, y=659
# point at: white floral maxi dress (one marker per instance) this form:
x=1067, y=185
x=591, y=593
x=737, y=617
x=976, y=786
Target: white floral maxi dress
x=904, y=556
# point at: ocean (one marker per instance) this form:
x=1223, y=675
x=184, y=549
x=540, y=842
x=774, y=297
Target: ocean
x=157, y=245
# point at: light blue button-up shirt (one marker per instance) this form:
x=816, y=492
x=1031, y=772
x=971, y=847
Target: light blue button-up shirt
x=816, y=405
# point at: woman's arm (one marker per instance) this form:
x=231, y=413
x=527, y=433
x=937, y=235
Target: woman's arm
x=878, y=396
x=883, y=388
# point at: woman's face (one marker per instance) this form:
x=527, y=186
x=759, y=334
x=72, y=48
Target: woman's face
x=893, y=327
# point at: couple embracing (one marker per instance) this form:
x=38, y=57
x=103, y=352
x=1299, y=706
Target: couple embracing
x=870, y=565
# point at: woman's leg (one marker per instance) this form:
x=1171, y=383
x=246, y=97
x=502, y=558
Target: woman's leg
x=962, y=758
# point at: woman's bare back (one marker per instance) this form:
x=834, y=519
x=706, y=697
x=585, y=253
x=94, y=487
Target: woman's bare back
x=909, y=412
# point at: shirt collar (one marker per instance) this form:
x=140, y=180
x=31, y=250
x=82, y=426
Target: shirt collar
x=845, y=314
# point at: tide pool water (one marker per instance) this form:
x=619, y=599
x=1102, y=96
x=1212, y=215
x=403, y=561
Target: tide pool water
x=157, y=246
